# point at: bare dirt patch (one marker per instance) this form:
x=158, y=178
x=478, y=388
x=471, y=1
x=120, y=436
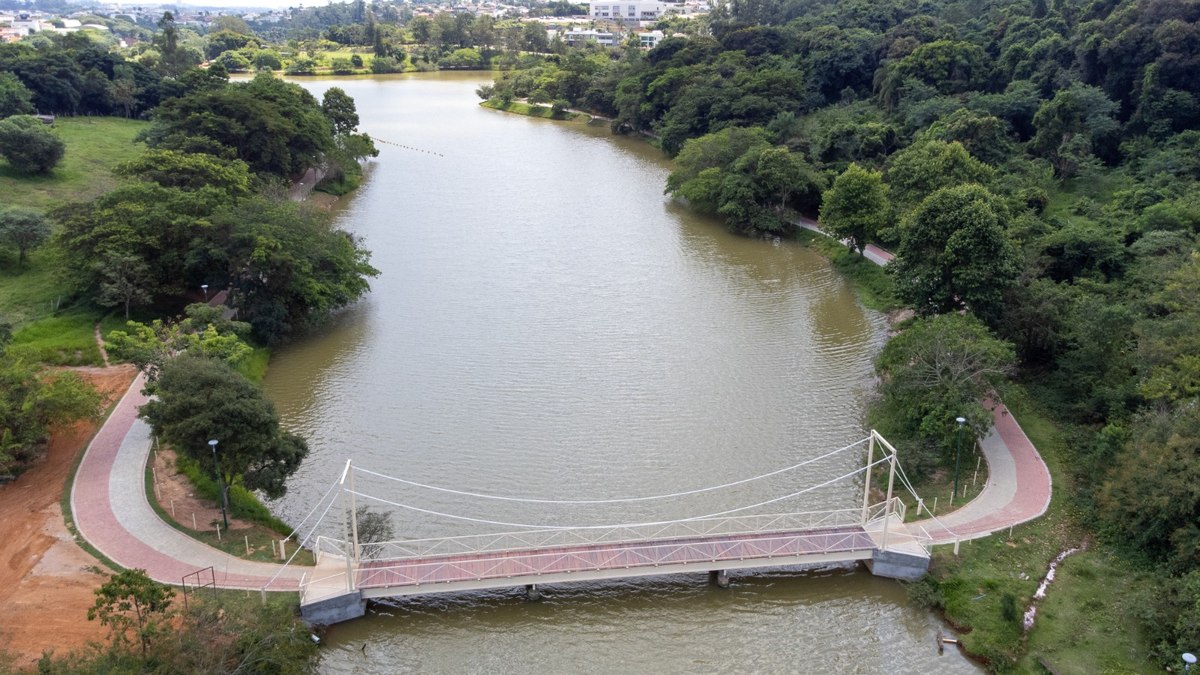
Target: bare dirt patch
x=46, y=579
x=177, y=497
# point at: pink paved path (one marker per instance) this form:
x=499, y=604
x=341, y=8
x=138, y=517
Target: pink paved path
x=1019, y=484
x=108, y=499
x=1018, y=489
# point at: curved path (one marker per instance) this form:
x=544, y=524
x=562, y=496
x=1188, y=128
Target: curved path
x=1019, y=484
x=108, y=499
x=1018, y=488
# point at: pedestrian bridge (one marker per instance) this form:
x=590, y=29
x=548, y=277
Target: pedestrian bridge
x=349, y=572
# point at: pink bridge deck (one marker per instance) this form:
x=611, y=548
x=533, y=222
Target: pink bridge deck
x=617, y=559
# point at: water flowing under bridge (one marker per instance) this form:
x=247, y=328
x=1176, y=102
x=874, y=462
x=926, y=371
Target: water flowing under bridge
x=350, y=571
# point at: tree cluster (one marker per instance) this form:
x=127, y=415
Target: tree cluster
x=1035, y=170
x=195, y=211
x=73, y=75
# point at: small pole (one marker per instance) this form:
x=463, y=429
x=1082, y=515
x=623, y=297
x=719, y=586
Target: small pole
x=263, y=591
x=274, y=550
x=1010, y=527
x=194, y=525
x=282, y=549
x=218, y=532
x=247, y=538
x=172, y=508
x=920, y=505
x=867, y=481
x=934, y=513
x=956, y=546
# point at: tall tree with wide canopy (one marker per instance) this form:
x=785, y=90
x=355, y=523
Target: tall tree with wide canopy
x=201, y=399
x=856, y=206
x=954, y=253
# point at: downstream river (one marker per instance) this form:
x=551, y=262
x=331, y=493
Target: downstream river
x=547, y=324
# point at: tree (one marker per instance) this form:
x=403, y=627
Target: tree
x=340, y=109
x=201, y=332
x=856, y=206
x=24, y=229
x=31, y=402
x=937, y=369
x=923, y=168
x=15, y=97
x=124, y=281
x=201, y=398
x=131, y=600
x=954, y=253
x=28, y=145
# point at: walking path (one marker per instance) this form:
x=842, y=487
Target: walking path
x=108, y=499
x=1018, y=488
x=1019, y=484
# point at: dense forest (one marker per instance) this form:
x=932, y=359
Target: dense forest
x=1034, y=165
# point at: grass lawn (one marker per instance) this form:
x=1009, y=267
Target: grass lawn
x=94, y=146
x=49, y=324
x=519, y=108
x=1083, y=625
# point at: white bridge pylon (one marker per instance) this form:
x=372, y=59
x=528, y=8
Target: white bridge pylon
x=350, y=571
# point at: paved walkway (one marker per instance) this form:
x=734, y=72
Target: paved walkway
x=109, y=503
x=1018, y=488
x=1019, y=484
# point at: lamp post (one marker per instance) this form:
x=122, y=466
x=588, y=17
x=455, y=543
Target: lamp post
x=204, y=287
x=1189, y=660
x=220, y=483
x=957, y=455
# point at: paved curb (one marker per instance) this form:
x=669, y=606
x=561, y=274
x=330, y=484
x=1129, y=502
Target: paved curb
x=111, y=511
x=1019, y=484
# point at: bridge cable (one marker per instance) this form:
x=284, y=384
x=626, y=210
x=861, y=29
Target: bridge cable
x=534, y=500
x=302, y=544
x=313, y=510
x=502, y=523
x=908, y=484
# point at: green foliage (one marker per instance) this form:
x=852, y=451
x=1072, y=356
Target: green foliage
x=15, y=97
x=201, y=399
x=934, y=371
x=132, y=601
x=856, y=206
x=201, y=332
x=24, y=230
x=273, y=126
x=242, y=502
x=31, y=402
x=28, y=146
x=955, y=253
x=222, y=632
x=924, y=168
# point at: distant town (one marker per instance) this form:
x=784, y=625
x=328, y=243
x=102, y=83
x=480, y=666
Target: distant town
x=603, y=22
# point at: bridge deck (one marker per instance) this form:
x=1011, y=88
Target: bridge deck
x=608, y=560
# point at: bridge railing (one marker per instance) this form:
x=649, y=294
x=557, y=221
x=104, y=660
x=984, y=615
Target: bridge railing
x=568, y=537
x=626, y=556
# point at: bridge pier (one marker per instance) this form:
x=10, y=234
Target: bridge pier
x=719, y=578
x=334, y=609
x=532, y=592
x=906, y=566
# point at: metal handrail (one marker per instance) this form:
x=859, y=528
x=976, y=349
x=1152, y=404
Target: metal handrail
x=520, y=564
x=541, y=539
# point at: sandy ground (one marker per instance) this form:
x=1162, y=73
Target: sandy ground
x=46, y=579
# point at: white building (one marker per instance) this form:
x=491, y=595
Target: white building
x=650, y=39
x=630, y=10
x=576, y=37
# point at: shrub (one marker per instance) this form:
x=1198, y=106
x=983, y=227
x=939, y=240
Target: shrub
x=28, y=145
